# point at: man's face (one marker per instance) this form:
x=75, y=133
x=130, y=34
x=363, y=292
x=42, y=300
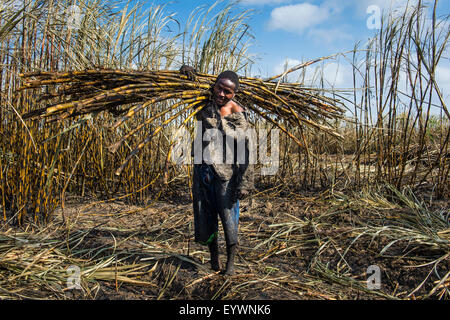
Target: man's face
x=224, y=91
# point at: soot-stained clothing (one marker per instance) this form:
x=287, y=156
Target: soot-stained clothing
x=220, y=174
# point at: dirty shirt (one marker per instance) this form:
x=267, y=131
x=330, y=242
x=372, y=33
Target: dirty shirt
x=220, y=171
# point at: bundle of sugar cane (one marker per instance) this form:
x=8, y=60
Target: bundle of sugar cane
x=126, y=93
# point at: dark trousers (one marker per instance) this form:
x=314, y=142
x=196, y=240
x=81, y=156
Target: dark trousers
x=214, y=198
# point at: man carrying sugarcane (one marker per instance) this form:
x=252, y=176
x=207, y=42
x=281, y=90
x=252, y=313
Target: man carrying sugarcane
x=218, y=184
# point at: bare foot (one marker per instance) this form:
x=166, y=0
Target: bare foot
x=215, y=265
x=229, y=272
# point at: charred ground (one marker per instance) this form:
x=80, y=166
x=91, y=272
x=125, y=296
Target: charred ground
x=292, y=246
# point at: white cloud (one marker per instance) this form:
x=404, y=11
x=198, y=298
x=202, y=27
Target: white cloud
x=285, y=65
x=337, y=75
x=328, y=36
x=396, y=7
x=297, y=18
x=264, y=2
x=442, y=74
x=333, y=73
x=443, y=80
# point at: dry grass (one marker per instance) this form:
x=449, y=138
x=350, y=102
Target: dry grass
x=296, y=247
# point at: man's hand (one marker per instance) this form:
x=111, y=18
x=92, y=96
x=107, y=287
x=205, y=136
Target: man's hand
x=188, y=71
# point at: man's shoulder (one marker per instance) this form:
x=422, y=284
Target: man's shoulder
x=236, y=107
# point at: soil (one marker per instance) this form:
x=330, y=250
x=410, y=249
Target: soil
x=297, y=247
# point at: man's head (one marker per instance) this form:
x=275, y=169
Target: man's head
x=225, y=88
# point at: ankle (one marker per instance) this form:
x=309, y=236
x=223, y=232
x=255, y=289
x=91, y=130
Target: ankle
x=231, y=253
x=214, y=252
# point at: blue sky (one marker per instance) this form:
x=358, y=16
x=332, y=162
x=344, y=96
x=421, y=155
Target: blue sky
x=298, y=30
x=294, y=31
